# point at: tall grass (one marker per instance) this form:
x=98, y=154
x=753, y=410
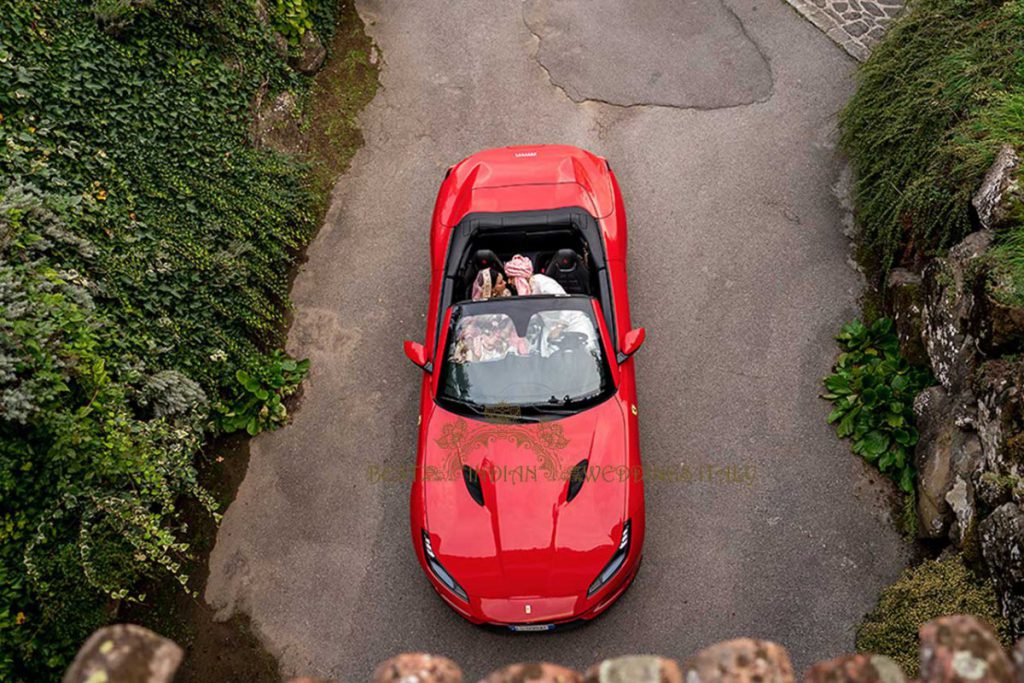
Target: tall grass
x=936, y=100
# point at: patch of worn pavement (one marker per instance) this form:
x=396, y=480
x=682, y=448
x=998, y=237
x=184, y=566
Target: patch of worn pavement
x=737, y=270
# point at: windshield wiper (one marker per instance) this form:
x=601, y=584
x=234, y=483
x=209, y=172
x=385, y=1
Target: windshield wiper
x=475, y=407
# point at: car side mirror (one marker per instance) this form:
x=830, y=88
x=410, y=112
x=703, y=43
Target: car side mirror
x=416, y=352
x=631, y=343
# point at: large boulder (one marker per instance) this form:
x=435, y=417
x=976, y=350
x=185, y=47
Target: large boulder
x=906, y=301
x=960, y=649
x=276, y=124
x=635, y=669
x=1002, y=547
x=998, y=386
x=864, y=668
x=949, y=324
x=998, y=200
x=947, y=457
x=740, y=660
x=1005, y=326
x=125, y=652
x=311, y=54
x=417, y=667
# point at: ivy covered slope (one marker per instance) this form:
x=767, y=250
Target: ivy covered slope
x=144, y=256
x=934, y=103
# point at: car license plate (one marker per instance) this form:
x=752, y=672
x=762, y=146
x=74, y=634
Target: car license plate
x=524, y=628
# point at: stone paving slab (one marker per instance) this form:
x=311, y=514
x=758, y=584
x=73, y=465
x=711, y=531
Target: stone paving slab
x=855, y=25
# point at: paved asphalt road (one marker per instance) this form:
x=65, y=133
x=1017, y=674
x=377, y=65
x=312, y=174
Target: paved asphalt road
x=718, y=117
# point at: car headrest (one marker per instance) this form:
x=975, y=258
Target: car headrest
x=485, y=258
x=564, y=260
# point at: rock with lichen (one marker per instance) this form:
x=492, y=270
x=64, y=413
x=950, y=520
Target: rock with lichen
x=862, y=668
x=740, y=660
x=635, y=669
x=418, y=667
x=960, y=649
x=125, y=652
x=998, y=201
x=1002, y=547
x=277, y=124
x=947, y=457
x=950, y=327
x=905, y=299
x=310, y=55
x=534, y=672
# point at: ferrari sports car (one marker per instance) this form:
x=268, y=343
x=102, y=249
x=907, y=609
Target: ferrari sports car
x=527, y=509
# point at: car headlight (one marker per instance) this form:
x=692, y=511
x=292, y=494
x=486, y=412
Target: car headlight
x=615, y=564
x=440, y=572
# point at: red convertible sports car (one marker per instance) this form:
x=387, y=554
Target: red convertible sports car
x=527, y=509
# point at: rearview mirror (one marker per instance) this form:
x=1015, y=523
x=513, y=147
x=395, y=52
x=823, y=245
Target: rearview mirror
x=415, y=352
x=631, y=343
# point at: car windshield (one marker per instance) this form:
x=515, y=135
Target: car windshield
x=535, y=352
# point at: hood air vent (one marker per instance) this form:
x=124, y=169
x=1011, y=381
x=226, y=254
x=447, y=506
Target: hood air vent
x=472, y=479
x=576, y=479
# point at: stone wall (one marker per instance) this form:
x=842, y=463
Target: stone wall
x=970, y=457
x=954, y=649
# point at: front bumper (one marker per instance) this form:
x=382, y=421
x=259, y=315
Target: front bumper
x=510, y=614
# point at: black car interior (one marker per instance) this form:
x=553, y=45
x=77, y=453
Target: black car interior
x=564, y=244
x=561, y=255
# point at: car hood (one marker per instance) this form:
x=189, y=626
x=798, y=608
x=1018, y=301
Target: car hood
x=498, y=180
x=526, y=539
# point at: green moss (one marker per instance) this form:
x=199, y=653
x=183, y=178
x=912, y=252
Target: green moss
x=908, y=515
x=343, y=87
x=932, y=589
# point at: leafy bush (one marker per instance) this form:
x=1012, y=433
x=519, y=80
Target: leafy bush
x=292, y=19
x=255, y=404
x=873, y=388
x=144, y=255
x=933, y=589
x=938, y=97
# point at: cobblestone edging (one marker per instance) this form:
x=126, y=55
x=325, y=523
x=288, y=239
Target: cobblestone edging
x=855, y=25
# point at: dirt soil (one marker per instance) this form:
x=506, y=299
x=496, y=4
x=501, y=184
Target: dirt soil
x=226, y=652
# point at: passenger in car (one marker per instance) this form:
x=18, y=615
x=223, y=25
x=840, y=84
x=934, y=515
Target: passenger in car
x=519, y=270
x=487, y=337
x=489, y=284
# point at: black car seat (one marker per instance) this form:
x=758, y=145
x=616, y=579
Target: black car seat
x=482, y=258
x=567, y=268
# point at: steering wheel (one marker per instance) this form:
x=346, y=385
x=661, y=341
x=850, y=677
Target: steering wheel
x=568, y=341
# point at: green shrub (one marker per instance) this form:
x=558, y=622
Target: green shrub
x=873, y=388
x=255, y=403
x=144, y=255
x=932, y=589
x=938, y=97
x=292, y=19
